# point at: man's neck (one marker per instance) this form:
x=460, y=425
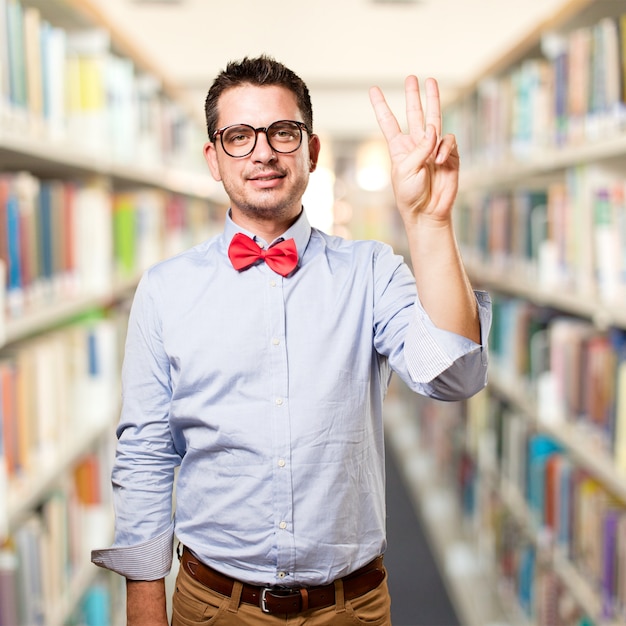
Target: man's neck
x=266, y=229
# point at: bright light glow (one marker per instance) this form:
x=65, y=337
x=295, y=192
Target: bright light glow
x=319, y=198
x=372, y=166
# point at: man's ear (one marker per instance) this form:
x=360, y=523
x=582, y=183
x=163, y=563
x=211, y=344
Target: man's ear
x=314, y=152
x=210, y=156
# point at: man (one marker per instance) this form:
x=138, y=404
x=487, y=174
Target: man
x=258, y=361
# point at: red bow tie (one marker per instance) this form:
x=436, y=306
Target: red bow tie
x=282, y=257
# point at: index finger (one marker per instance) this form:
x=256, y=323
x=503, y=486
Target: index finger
x=386, y=119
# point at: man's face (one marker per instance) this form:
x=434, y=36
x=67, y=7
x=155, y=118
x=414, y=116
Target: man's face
x=265, y=184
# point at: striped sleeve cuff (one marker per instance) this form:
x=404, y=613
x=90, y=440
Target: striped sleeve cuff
x=150, y=560
x=430, y=351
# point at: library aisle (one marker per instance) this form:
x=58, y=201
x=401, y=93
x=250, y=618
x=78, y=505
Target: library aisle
x=418, y=593
x=506, y=509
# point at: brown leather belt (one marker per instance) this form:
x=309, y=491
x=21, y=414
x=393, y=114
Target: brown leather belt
x=285, y=600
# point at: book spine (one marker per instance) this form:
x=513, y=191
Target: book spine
x=608, y=580
x=17, y=66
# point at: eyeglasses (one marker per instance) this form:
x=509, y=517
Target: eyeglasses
x=239, y=140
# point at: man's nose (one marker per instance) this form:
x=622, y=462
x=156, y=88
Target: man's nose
x=263, y=151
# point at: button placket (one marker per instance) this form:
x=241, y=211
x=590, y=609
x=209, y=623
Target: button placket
x=281, y=431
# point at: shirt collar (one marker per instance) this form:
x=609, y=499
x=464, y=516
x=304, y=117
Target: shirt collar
x=299, y=231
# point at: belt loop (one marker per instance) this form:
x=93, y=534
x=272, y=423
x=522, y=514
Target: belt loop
x=304, y=594
x=340, y=602
x=235, y=597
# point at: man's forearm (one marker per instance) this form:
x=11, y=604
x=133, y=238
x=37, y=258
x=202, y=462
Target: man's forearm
x=445, y=291
x=145, y=603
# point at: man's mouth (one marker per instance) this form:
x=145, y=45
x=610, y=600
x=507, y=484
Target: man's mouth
x=267, y=179
x=267, y=176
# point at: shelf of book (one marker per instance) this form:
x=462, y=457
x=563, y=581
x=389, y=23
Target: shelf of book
x=62, y=158
x=81, y=582
x=575, y=438
x=499, y=277
x=25, y=493
x=541, y=222
x=101, y=176
x=537, y=519
x=563, y=493
x=545, y=162
x=578, y=586
x=469, y=579
x=59, y=312
x=50, y=574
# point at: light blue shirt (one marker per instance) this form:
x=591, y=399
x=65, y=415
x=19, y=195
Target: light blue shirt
x=268, y=392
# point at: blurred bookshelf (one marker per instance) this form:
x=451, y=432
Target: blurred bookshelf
x=535, y=465
x=101, y=175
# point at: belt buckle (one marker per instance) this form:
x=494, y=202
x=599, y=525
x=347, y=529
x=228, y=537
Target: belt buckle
x=262, y=602
x=279, y=591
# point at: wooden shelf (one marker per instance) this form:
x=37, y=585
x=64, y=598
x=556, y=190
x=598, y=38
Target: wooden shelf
x=503, y=279
x=59, y=159
x=545, y=161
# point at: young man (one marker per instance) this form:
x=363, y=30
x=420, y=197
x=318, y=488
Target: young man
x=258, y=361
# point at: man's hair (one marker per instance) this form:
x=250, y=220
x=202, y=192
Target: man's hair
x=261, y=71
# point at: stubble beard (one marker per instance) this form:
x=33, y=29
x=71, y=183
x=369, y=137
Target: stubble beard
x=267, y=205
x=266, y=208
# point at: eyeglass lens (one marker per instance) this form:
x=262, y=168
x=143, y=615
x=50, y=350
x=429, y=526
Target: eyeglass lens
x=283, y=136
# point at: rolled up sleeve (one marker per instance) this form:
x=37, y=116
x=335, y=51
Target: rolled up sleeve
x=149, y=560
x=144, y=469
x=447, y=365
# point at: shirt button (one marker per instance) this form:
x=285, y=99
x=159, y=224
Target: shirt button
x=279, y=401
x=272, y=283
x=282, y=525
x=281, y=463
x=282, y=574
x=276, y=342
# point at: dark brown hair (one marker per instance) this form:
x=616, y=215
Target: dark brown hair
x=261, y=71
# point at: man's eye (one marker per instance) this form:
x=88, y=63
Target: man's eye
x=284, y=134
x=238, y=135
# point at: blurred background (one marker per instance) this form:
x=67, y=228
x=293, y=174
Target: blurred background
x=506, y=509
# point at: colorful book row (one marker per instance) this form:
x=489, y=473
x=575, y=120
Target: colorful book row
x=527, y=584
x=61, y=240
x=69, y=85
x=54, y=387
x=585, y=523
x=574, y=372
x=570, y=93
x=570, y=235
x=565, y=516
x=467, y=443
x=42, y=559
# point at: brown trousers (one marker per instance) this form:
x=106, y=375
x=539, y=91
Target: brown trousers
x=196, y=605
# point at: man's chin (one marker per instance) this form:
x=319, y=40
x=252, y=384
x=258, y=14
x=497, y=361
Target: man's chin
x=266, y=208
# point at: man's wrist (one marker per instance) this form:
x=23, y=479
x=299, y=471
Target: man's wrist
x=145, y=603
